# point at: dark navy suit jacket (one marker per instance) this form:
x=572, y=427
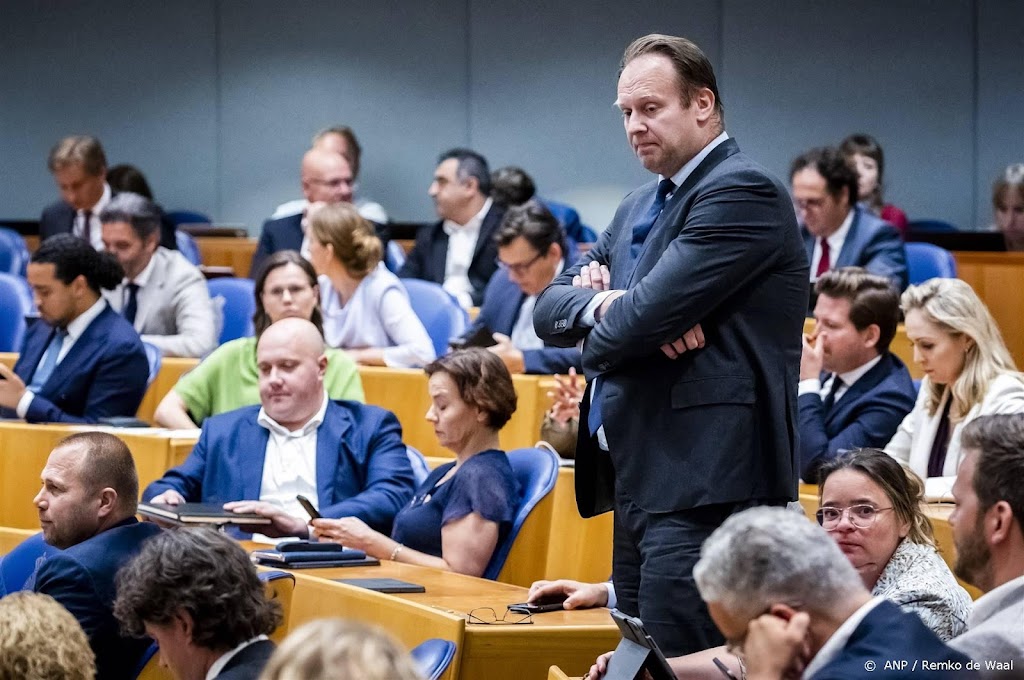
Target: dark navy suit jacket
x=59, y=218
x=285, y=233
x=249, y=662
x=81, y=578
x=872, y=244
x=868, y=414
x=889, y=634
x=428, y=257
x=103, y=375
x=362, y=468
x=502, y=300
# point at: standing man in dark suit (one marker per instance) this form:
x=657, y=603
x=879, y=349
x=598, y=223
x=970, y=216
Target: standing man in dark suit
x=79, y=168
x=87, y=509
x=459, y=251
x=81, y=361
x=853, y=392
x=676, y=440
x=165, y=593
x=836, y=231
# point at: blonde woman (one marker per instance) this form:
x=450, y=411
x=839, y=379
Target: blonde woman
x=40, y=639
x=968, y=373
x=365, y=307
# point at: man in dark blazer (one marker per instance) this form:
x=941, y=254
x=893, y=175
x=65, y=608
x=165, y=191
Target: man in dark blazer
x=347, y=458
x=164, y=592
x=79, y=168
x=458, y=252
x=87, y=509
x=691, y=347
x=853, y=391
x=81, y=361
x=836, y=231
x=531, y=251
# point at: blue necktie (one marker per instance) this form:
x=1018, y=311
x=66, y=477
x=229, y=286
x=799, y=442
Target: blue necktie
x=132, y=308
x=642, y=228
x=49, y=361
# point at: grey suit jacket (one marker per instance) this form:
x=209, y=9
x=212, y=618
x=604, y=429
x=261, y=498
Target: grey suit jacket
x=718, y=424
x=175, y=312
x=995, y=631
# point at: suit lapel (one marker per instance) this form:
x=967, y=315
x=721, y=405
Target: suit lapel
x=851, y=245
x=151, y=292
x=487, y=227
x=329, y=439
x=33, y=354
x=867, y=382
x=255, y=438
x=88, y=343
x=439, y=254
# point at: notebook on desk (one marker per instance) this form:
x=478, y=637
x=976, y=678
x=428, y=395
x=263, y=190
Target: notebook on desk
x=383, y=585
x=200, y=513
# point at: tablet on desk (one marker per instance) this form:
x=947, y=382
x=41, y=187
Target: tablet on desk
x=383, y=585
x=638, y=650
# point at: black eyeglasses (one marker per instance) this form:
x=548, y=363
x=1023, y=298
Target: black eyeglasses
x=487, y=616
x=519, y=268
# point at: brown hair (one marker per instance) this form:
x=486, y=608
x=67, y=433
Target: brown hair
x=83, y=150
x=355, y=242
x=260, y=319
x=692, y=67
x=999, y=466
x=873, y=300
x=483, y=382
x=107, y=462
x=355, y=151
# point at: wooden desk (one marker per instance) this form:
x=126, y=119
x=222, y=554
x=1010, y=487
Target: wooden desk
x=569, y=639
x=998, y=279
x=9, y=538
x=900, y=346
x=171, y=370
x=222, y=251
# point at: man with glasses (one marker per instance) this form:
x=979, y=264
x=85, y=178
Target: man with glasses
x=531, y=253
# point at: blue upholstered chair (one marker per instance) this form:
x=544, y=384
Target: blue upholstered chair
x=154, y=356
x=439, y=312
x=394, y=256
x=13, y=308
x=14, y=255
x=433, y=656
x=188, y=247
x=178, y=217
x=420, y=469
x=239, y=306
x=927, y=261
x=536, y=471
x=570, y=221
x=17, y=565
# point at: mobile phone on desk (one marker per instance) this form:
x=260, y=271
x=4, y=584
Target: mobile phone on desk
x=546, y=604
x=307, y=506
x=482, y=337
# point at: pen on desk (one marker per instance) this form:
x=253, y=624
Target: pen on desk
x=725, y=669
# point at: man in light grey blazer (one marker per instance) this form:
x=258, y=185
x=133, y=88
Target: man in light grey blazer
x=163, y=295
x=988, y=530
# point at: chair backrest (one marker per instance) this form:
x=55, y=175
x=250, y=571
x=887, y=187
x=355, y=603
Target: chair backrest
x=239, y=306
x=394, y=256
x=927, y=261
x=930, y=225
x=432, y=657
x=570, y=221
x=17, y=565
x=14, y=255
x=154, y=357
x=439, y=312
x=188, y=247
x=177, y=217
x=420, y=469
x=12, y=310
x=280, y=586
x=536, y=471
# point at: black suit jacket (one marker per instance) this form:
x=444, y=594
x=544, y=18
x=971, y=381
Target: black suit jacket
x=249, y=662
x=59, y=218
x=427, y=258
x=285, y=233
x=718, y=424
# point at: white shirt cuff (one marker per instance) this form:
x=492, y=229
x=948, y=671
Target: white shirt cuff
x=587, y=317
x=612, y=600
x=24, y=403
x=808, y=386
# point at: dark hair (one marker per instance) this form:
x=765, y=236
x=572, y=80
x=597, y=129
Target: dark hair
x=533, y=222
x=831, y=164
x=260, y=319
x=138, y=211
x=354, y=240
x=692, y=67
x=483, y=382
x=73, y=257
x=355, y=152
x=999, y=467
x=84, y=150
x=471, y=164
x=904, y=489
x=873, y=300
x=511, y=186
x=866, y=145
x=203, y=573
x=107, y=461
x=126, y=177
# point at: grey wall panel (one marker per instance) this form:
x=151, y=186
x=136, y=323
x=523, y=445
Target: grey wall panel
x=802, y=74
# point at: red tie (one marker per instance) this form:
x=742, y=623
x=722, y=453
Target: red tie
x=824, y=264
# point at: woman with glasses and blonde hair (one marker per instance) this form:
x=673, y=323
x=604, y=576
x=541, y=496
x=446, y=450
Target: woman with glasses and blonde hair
x=366, y=309
x=968, y=373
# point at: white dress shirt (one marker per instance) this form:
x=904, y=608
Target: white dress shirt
x=289, y=463
x=95, y=226
x=835, y=246
x=848, y=378
x=462, y=240
x=75, y=329
x=524, y=336
x=835, y=644
x=223, y=660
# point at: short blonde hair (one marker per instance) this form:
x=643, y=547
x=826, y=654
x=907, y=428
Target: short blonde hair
x=335, y=648
x=956, y=309
x=355, y=242
x=40, y=640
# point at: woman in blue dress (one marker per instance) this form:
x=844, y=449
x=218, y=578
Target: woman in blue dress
x=464, y=509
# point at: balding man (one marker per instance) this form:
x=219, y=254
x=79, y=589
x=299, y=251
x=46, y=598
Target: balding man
x=87, y=509
x=348, y=459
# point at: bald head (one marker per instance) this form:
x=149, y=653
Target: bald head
x=326, y=176
x=300, y=333
x=291, y=362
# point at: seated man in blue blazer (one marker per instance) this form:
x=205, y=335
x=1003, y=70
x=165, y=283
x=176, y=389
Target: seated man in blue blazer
x=853, y=392
x=531, y=252
x=82, y=361
x=348, y=459
x=87, y=509
x=836, y=231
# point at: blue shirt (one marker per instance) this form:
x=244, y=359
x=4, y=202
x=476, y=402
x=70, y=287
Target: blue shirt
x=484, y=484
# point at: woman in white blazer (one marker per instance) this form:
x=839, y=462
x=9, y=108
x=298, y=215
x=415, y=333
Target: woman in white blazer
x=968, y=373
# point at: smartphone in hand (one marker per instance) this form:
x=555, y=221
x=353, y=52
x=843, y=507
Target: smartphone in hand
x=307, y=506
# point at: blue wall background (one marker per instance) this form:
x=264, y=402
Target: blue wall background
x=216, y=100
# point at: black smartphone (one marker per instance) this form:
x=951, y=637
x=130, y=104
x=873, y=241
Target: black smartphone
x=307, y=506
x=547, y=604
x=481, y=337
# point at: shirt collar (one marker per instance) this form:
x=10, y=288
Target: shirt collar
x=312, y=424
x=835, y=241
x=835, y=644
x=993, y=601
x=143, y=277
x=220, y=663
x=474, y=223
x=102, y=203
x=692, y=164
x=77, y=326
x=856, y=374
